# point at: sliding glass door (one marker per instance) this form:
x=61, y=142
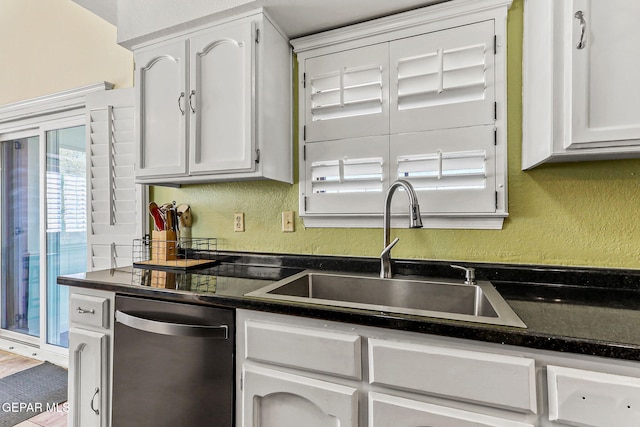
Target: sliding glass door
x=21, y=236
x=66, y=234
x=44, y=230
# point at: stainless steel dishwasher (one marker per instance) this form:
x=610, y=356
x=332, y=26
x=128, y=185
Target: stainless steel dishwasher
x=173, y=364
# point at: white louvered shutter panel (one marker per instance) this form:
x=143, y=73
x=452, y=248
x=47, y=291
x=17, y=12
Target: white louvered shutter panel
x=351, y=174
x=347, y=94
x=443, y=79
x=115, y=201
x=452, y=170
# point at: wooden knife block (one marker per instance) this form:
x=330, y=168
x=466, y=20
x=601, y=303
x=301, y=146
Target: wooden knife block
x=164, y=247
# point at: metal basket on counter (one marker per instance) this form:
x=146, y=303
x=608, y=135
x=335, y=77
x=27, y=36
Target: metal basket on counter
x=163, y=261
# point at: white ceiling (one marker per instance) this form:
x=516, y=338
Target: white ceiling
x=141, y=20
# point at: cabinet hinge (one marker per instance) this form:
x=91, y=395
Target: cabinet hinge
x=495, y=136
x=257, y=35
x=496, y=200
x=257, y=155
x=304, y=132
x=495, y=45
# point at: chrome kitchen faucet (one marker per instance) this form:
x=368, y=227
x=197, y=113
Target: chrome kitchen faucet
x=414, y=222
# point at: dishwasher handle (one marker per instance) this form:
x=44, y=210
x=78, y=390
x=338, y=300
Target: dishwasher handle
x=175, y=329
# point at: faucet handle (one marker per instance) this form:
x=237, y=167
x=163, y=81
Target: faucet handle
x=387, y=249
x=469, y=274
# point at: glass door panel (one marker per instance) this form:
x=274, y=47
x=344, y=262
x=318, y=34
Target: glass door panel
x=66, y=236
x=21, y=236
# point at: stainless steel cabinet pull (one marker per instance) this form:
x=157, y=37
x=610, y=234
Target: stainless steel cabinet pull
x=193, y=110
x=175, y=329
x=583, y=30
x=180, y=98
x=83, y=311
x=97, y=411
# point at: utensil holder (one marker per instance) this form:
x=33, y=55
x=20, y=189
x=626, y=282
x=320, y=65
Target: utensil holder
x=164, y=245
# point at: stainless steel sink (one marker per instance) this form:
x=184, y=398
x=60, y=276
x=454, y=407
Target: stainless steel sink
x=431, y=298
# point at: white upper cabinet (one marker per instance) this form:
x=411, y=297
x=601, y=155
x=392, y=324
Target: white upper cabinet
x=418, y=96
x=214, y=104
x=581, y=94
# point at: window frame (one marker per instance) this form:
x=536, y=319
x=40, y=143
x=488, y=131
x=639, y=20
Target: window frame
x=387, y=30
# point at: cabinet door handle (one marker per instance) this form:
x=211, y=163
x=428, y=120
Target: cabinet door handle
x=180, y=98
x=97, y=411
x=583, y=30
x=193, y=110
x=81, y=310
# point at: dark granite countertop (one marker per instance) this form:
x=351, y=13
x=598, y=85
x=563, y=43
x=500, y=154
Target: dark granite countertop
x=576, y=310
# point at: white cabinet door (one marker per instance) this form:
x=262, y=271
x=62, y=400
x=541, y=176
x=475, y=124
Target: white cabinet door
x=605, y=58
x=581, y=94
x=272, y=398
x=391, y=411
x=88, y=378
x=347, y=94
x=161, y=115
x=221, y=100
x=443, y=79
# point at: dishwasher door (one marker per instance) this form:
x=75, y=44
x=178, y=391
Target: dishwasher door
x=173, y=364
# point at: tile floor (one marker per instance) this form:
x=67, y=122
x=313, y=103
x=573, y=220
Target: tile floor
x=10, y=364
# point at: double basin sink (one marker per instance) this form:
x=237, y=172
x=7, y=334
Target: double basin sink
x=478, y=302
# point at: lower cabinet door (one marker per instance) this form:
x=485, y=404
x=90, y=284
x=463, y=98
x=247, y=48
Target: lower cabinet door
x=272, y=398
x=88, y=396
x=392, y=411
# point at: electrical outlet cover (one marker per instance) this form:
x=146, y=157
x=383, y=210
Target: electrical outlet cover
x=287, y=221
x=238, y=221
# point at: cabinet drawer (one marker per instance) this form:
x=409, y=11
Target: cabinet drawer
x=304, y=348
x=87, y=310
x=585, y=398
x=471, y=376
x=386, y=410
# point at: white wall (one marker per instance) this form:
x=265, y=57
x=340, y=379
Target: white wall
x=47, y=46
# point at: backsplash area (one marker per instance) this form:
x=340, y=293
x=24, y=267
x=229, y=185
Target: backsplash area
x=581, y=214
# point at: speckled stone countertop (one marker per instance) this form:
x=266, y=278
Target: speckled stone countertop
x=576, y=310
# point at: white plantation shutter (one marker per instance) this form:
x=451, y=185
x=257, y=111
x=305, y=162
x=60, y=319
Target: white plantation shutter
x=350, y=174
x=347, y=94
x=443, y=79
x=115, y=201
x=452, y=170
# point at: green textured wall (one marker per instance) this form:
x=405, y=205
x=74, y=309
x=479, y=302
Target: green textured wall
x=584, y=214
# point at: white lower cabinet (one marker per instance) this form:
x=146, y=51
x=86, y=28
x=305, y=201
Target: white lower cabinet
x=272, y=398
x=90, y=337
x=295, y=371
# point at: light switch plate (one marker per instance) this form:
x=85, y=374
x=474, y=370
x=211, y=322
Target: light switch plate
x=238, y=221
x=287, y=222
